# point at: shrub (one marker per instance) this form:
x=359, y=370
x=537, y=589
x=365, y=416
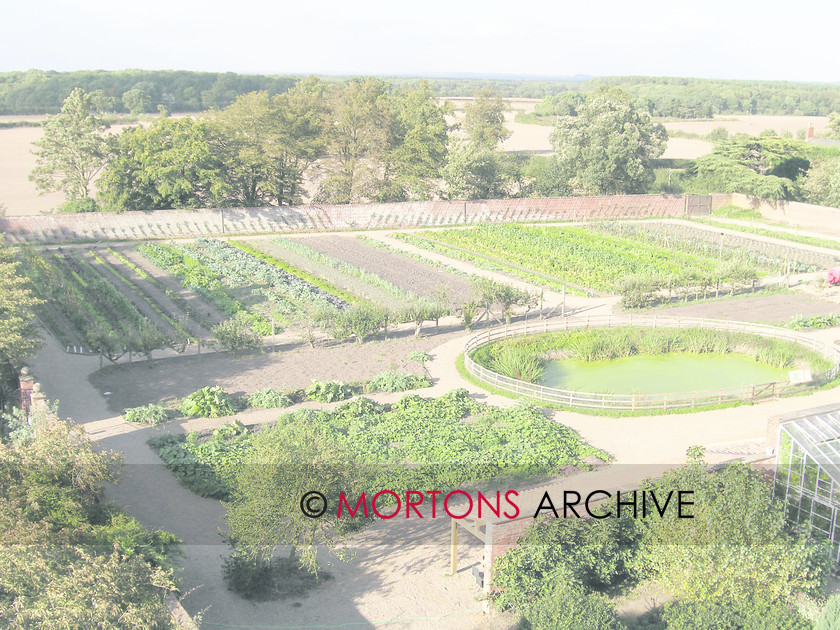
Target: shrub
x=419, y=355
x=209, y=402
x=328, y=391
x=570, y=607
x=753, y=613
x=76, y=206
x=799, y=322
x=150, y=414
x=396, y=382
x=359, y=408
x=252, y=577
x=597, y=554
x=237, y=335
x=269, y=398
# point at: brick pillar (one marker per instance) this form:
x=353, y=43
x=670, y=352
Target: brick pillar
x=38, y=400
x=27, y=383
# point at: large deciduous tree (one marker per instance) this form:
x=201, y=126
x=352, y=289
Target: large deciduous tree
x=240, y=137
x=476, y=168
x=475, y=172
x=607, y=148
x=358, y=141
x=267, y=144
x=484, y=119
x=73, y=149
x=417, y=145
x=170, y=164
x=19, y=338
x=822, y=183
x=283, y=464
x=303, y=124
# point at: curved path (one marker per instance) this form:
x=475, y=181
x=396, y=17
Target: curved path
x=400, y=569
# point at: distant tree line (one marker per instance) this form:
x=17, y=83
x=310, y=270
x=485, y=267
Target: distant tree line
x=138, y=91
x=131, y=91
x=703, y=98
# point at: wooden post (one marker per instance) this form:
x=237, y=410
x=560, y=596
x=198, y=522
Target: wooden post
x=453, y=547
x=563, y=308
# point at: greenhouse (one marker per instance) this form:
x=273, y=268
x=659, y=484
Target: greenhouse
x=808, y=471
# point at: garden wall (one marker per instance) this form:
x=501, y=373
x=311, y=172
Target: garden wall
x=792, y=212
x=188, y=223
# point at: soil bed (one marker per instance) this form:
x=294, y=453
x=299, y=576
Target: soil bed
x=335, y=277
x=774, y=308
x=407, y=273
x=140, y=383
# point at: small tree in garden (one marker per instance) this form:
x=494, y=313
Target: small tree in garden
x=107, y=342
x=507, y=297
x=236, y=335
x=72, y=150
x=468, y=312
x=146, y=338
x=314, y=318
x=361, y=320
x=419, y=311
x=284, y=463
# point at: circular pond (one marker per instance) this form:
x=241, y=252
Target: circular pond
x=645, y=374
x=638, y=363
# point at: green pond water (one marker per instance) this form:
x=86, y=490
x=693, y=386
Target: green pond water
x=646, y=374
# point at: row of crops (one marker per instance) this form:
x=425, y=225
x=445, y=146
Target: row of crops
x=774, y=257
x=240, y=281
x=415, y=443
x=116, y=301
x=578, y=255
x=84, y=308
x=157, y=295
x=639, y=260
x=341, y=269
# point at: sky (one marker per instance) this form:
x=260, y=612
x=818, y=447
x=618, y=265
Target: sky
x=720, y=39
